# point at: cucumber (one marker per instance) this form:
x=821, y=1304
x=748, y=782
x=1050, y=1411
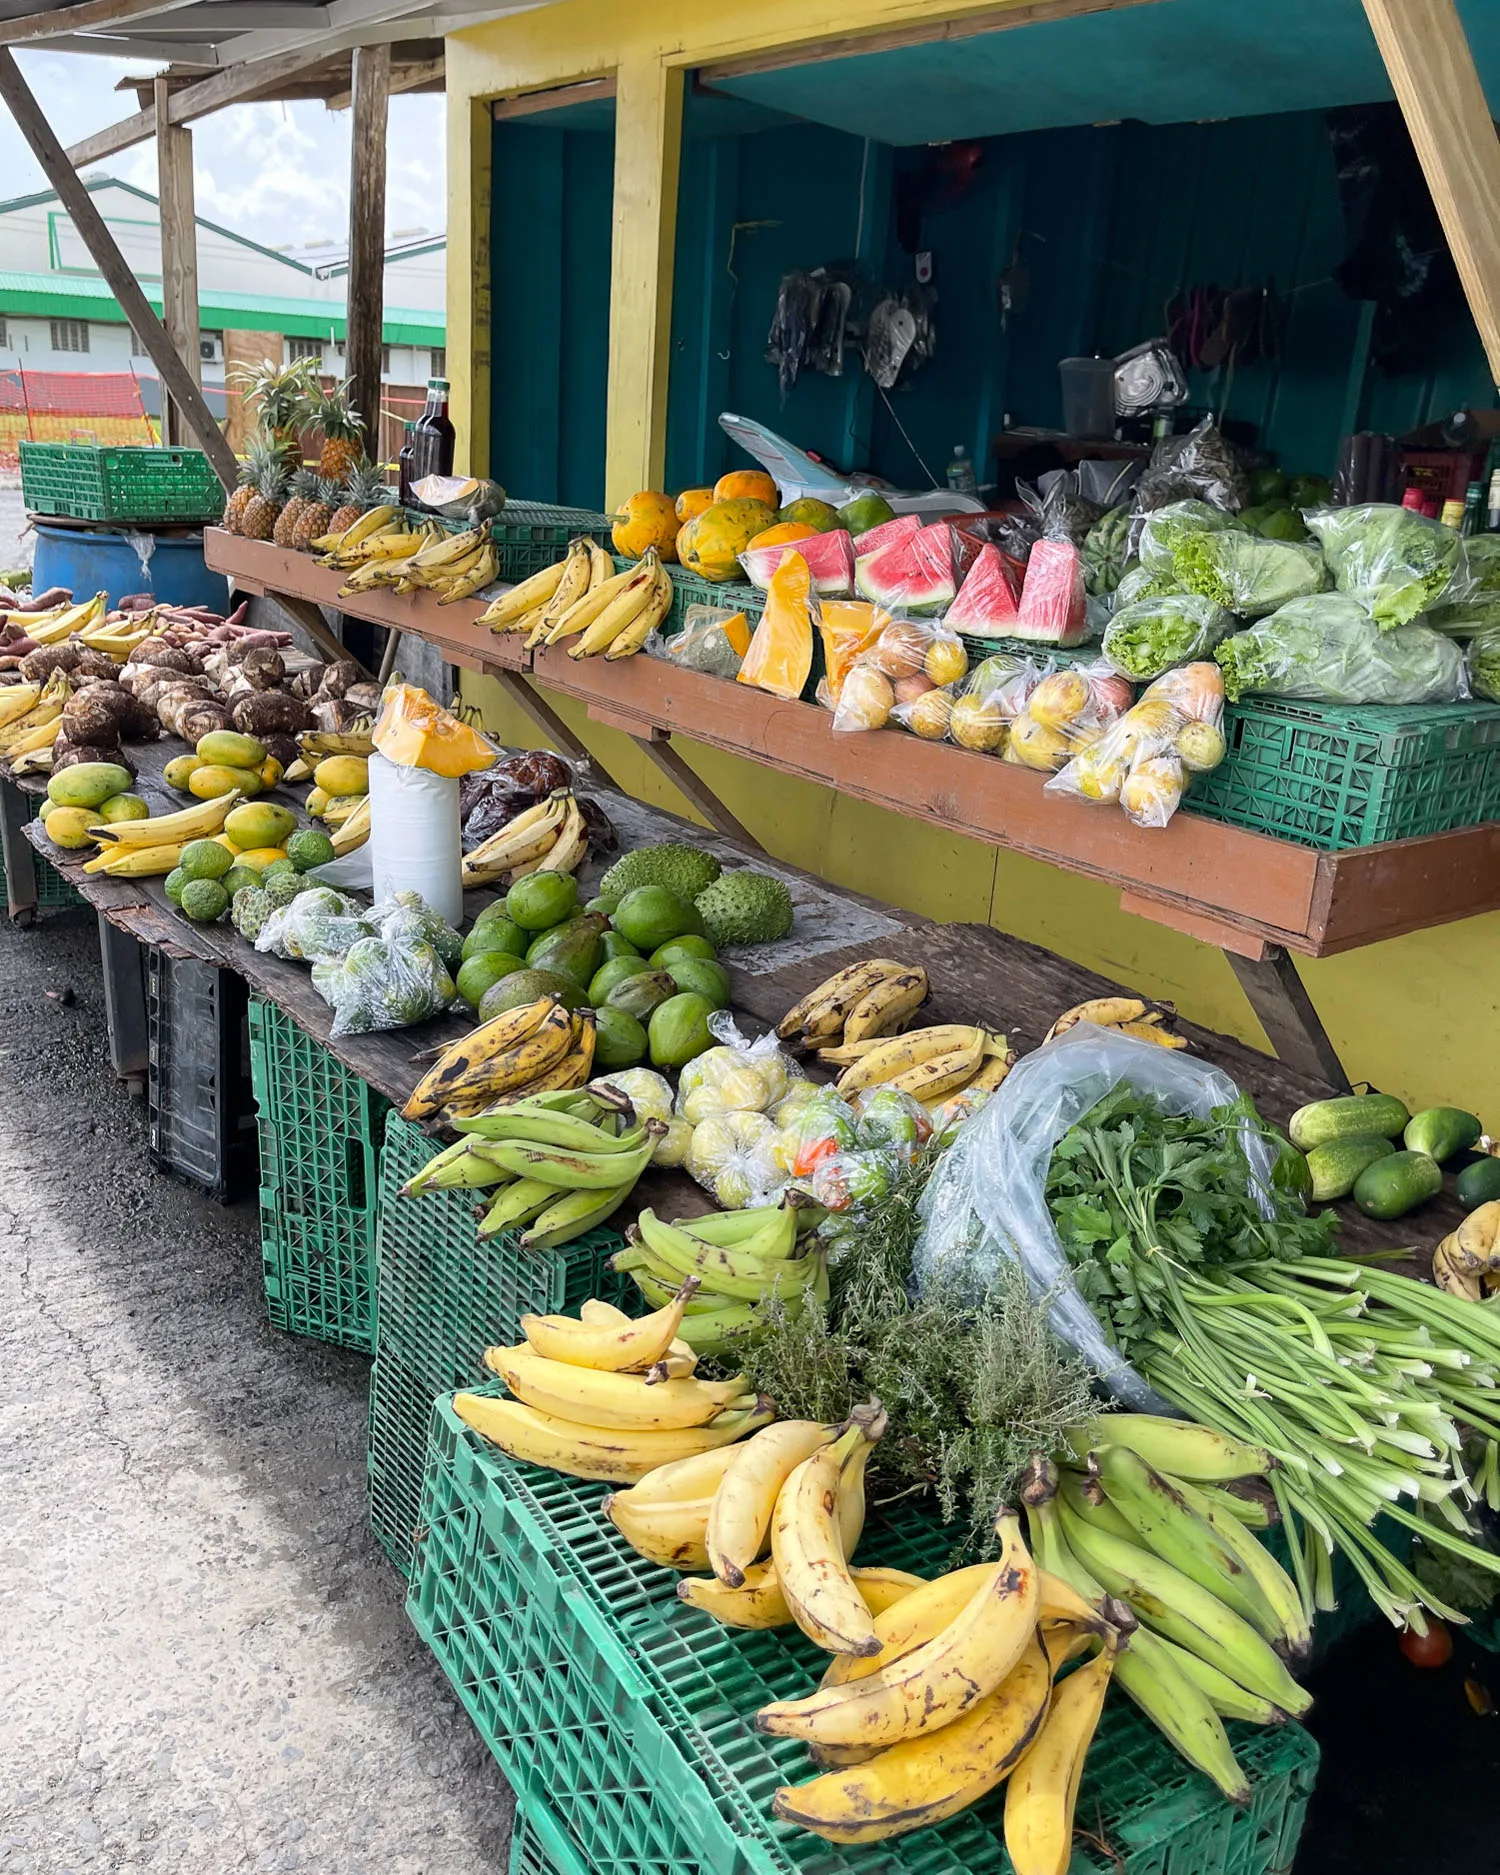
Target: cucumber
x=1441, y=1131
x=1336, y=1166
x=1325, y=1120
x=1479, y=1183
x=1392, y=1186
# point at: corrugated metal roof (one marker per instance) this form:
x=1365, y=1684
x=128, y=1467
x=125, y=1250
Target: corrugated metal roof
x=50, y=295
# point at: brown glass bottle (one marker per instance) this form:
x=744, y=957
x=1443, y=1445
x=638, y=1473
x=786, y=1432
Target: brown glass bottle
x=434, y=437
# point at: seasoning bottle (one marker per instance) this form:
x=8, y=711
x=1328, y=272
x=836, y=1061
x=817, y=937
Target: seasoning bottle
x=961, y=477
x=1453, y=514
x=1473, y=517
x=404, y=462
x=432, y=445
x=1493, y=518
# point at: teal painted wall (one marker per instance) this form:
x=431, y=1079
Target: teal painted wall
x=550, y=242
x=1101, y=227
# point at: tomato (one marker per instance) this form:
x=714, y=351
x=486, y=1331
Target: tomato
x=812, y=1155
x=1432, y=1649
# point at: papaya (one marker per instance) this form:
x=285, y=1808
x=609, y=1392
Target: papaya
x=692, y=501
x=176, y=772
x=711, y=545
x=782, y=534
x=224, y=748
x=781, y=652
x=749, y=484
x=647, y=520
x=260, y=823
x=87, y=784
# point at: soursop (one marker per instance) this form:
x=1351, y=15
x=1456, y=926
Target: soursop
x=681, y=869
x=250, y=909
x=283, y=887
x=745, y=908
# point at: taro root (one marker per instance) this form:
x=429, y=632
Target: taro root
x=37, y=666
x=270, y=713
x=282, y=749
x=339, y=716
x=174, y=700
x=337, y=678
x=100, y=665
x=96, y=713
x=199, y=719
x=75, y=752
x=167, y=657
x=365, y=698
x=263, y=668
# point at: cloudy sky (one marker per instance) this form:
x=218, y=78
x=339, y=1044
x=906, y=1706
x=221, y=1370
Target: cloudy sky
x=276, y=172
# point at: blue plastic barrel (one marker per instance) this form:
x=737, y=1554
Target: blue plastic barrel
x=104, y=559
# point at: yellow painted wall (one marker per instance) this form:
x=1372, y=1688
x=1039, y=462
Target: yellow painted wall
x=1419, y=1016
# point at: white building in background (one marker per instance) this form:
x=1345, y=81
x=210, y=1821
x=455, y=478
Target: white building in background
x=57, y=314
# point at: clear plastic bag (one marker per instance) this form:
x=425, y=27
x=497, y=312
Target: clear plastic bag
x=1199, y=466
x=847, y=628
x=781, y=650
x=1054, y=605
x=1139, y=582
x=986, y=1202
x=1155, y=634
x=407, y=915
x=1329, y=649
x=736, y=1076
x=815, y=1130
x=1482, y=663
x=317, y=927
x=910, y=658
x=1144, y=760
x=1248, y=574
x=1396, y=562
x=990, y=699
x=384, y=983
x=1165, y=529
x=1066, y=712
x=713, y=640
x=733, y=1156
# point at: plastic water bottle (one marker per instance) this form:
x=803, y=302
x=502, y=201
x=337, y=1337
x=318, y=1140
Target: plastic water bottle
x=961, y=478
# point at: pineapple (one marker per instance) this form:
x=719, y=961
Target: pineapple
x=343, y=432
x=300, y=491
x=283, y=396
x=256, y=460
x=259, y=519
x=364, y=489
x=315, y=516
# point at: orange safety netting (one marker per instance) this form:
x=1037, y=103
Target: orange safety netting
x=71, y=407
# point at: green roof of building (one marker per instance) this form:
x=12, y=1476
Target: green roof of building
x=58, y=296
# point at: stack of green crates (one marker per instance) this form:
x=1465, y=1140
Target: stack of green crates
x=320, y=1138
x=53, y=893
x=530, y=536
x=445, y=1295
x=124, y=483
x=623, y=1719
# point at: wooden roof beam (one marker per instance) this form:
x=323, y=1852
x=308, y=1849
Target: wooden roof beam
x=86, y=16
x=1432, y=72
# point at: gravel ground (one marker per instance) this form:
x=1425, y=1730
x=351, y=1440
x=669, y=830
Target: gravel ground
x=205, y=1662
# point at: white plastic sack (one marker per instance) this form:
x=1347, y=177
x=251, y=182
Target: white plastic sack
x=416, y=838
x=987, y=1199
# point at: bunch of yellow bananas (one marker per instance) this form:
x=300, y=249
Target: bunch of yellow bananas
x=861, y=1003
x=143, y=849
x=1129, y=1014
x=539, y=1048
x=60, y=621
x=118, y=637
x=552, y=836
x=603, y=1397
x=356, y=543
x=31, y=717
x=935, y=1066
x=583, y=596
x=318, y=743
x=350, y=831
x=739, y=1261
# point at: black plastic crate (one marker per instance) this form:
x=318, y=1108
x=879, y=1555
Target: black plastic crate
x=201, y=1111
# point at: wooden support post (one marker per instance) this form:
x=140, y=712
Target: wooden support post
x=20, y=860
x=696, y=791
x=1279, y=998
x=366, y=318
x=179, y=256
x=1432, y=72
x=648, y=154
x=176, y=381
x=315, y=625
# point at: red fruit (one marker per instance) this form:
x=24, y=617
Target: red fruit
x=1432, y=1649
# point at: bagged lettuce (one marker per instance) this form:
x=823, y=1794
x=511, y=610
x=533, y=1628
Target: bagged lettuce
x=1483, y=662
x=1396, y=562
x=1330, y=649
x=1246, y=573
x=1139, y=582
x=1168, y=528
x=1152, y=635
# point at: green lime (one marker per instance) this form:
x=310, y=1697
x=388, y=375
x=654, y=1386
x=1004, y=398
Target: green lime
x=205, y=859
x=690, y=945
x=477, y=973
x=238, y=877
x=542, y=899
x=308, y=848
x=619, y=1040
x=203, y=900
x=175, y=880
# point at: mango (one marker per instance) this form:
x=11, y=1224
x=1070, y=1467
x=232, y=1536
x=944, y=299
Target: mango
x=223, y=748
x=224, y=840
x=88, y=784
x=69, y=826
x=259, y=823
x=270, y=772
x=343, y=774
x=176, y=772
x=214, y=779
x=258, y=858
x=124, y=807
x=317, y=800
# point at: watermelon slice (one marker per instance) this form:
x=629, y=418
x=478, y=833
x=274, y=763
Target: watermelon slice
x=829, y=557
x=987, y=602
x=1054, y=609
x=911, y=575
x=902, y=528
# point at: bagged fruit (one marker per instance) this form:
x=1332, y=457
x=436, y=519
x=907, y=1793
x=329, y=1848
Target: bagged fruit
x=989, y=701
x=829, y=558
x=736, y=1076
x=819, y=1127
x=927, y=714
x=713, y=640
x=780, y=654
x=1146, y=759
x=1066, y=712
x=909, y=659
x=847, y=627
x=733, y=1156
x=893, y=1121
x=1054, y=607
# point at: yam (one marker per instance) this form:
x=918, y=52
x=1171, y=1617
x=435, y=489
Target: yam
x=270, y=713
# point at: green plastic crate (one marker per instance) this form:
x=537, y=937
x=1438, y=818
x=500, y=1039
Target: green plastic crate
x=90, y=482
x=539, y=1844
x=320, y=1139
x=445, y=1295
x=532, y=535
x=53, y=893
x=1331, y=775
x=625, y=1715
